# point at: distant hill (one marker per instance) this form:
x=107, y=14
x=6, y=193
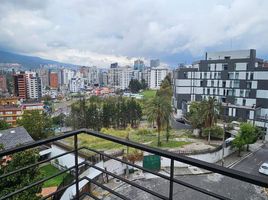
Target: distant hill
x=27, y=61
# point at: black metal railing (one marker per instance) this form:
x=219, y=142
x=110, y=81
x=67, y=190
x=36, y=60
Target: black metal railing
x=76, y=168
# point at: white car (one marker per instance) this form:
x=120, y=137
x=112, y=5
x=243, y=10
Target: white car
x=264, y=168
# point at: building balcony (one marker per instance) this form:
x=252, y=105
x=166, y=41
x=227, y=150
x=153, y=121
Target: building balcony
x=85, y=185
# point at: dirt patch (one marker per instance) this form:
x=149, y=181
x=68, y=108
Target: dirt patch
x=48, y=190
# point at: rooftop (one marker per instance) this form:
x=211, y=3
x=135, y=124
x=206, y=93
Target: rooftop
x=13, y=137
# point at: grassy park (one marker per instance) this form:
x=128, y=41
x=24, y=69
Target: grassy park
x=49, y=170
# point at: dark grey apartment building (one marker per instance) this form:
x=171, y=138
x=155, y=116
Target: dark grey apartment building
x=238, y=79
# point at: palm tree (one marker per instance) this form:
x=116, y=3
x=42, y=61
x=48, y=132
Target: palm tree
x=156, y=111
x=211, y=110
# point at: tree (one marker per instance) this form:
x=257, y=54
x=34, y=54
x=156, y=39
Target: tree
x=165, y=93
x=248, y=133
x=156, y=111
x=195, y=116
x=211, y=110
x=39, y=125
x=4, y=125
x=23, y=178
x=239, y=143
x=134, y=85
x=59, y=120
x=144, y=85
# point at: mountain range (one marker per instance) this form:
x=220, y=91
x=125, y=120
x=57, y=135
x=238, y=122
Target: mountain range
x=29, y=62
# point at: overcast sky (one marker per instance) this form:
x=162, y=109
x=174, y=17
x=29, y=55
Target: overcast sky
x=98, y=32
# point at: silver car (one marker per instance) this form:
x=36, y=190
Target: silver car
x=264, y=168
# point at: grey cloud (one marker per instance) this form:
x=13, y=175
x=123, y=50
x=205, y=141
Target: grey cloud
x=126, y=28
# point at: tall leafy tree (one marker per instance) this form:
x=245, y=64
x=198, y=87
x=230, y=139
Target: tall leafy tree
x=21, y=179
x=4, y=125
x=239, y=143
x=248, y=133
x=134, y=85
x=39, y=125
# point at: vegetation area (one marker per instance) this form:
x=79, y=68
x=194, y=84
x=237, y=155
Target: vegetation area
x=135, y=86
x=204, y=115
x=158, y=108
x=248, y=134
x=21, y=179
x=148, y=94
x=145, y=136
x=95, y=113
x=38, y=125
x=49, y=170
x=4, y=125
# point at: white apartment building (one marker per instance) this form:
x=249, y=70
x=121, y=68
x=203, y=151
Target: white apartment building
x=34, y=87
x=76, y=85
x=93, y=76
x=67, y=76
x=125, y=75
x=157, y=75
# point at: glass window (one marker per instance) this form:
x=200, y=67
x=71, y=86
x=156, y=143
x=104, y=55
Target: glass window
x=236, y=75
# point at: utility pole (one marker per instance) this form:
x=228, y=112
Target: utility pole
x=223, y=144
x=264, y=132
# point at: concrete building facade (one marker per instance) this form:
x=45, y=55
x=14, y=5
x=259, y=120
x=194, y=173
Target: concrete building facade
x=237, y=79
x=157, y=75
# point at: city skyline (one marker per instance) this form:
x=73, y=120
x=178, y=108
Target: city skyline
x=95, y=34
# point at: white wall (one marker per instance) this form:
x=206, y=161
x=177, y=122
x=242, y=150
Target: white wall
x=260, y=75
x=262, y=94
x=241, y=66
x=65, y=161
x=183, y=90
x=207, y=157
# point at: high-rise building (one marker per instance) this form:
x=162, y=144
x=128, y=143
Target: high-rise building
x=237, y=79
x=114, y=65
x=93, y=76
x=113, y=77
x=125, y=75
x=155, y=63
x=53, y=80
x=76, y=85
x=138, y=65
x=20, y=85
x=3, y=83
x=157, y=75
x=34, y=86
x=43, y=73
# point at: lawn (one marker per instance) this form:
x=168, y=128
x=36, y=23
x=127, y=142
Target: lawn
x=148, y=93
x=149, y=138
x=49, y=170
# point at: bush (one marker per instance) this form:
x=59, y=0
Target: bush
x=215, y=132
x=143, y=132
x=229, y=127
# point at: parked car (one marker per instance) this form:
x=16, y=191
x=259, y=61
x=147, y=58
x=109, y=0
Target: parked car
x=264, y=168
x=228, y=140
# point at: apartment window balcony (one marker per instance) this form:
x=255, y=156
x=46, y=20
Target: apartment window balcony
x=169, y=179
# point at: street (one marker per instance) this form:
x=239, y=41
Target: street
x=178, y=125
x=252, y=163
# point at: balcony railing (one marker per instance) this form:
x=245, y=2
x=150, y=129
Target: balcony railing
x=76, y=168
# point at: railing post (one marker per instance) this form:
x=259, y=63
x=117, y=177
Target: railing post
x=171, y=176
x=76, y=168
